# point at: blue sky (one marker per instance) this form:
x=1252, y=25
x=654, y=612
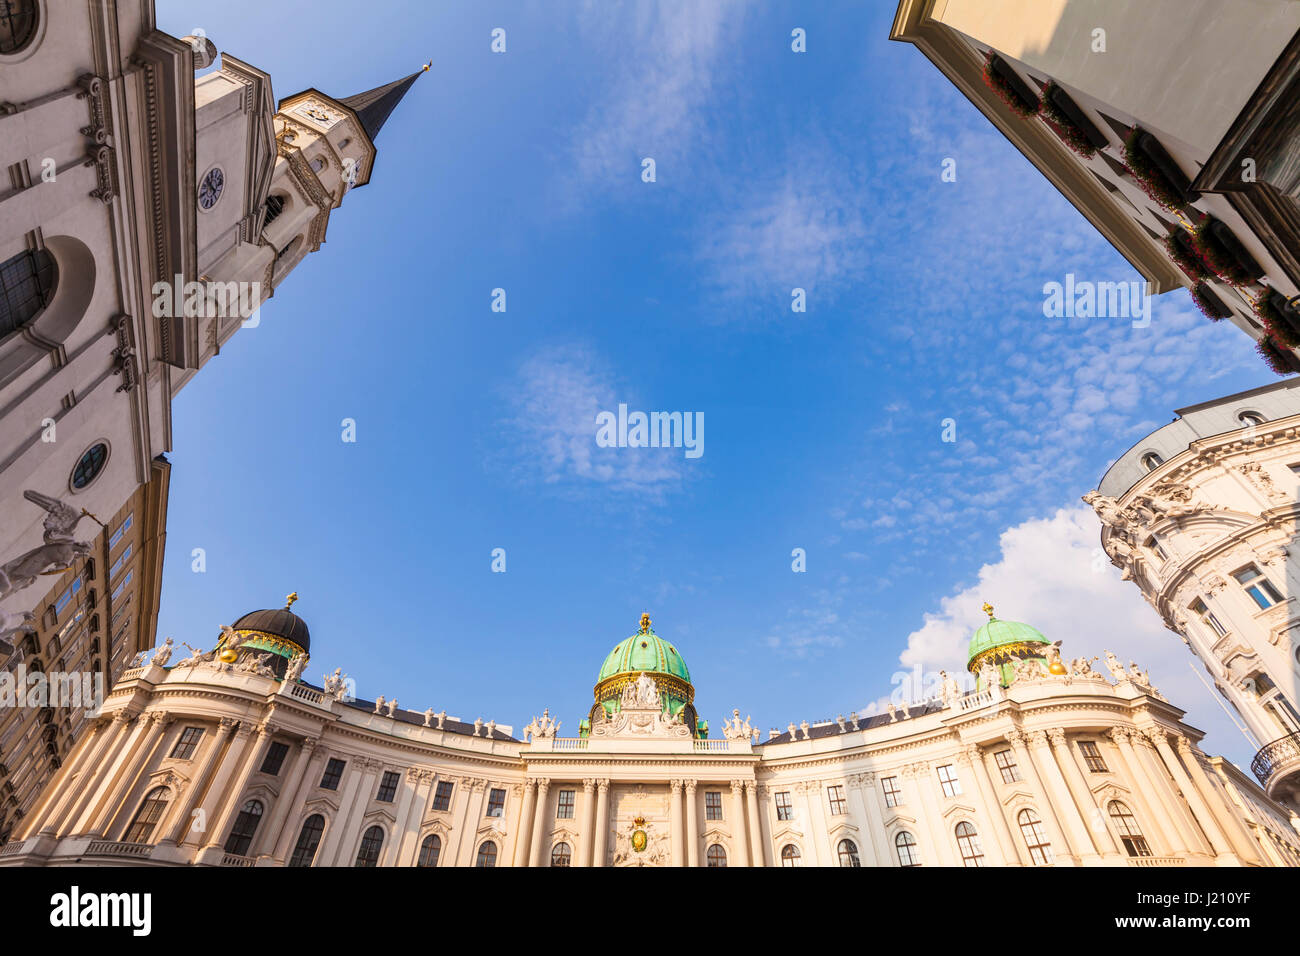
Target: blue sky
x=475, y=429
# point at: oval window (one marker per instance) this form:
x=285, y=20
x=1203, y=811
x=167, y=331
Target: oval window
x=90, y=465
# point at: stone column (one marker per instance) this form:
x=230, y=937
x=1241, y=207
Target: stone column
x=415, y=795
x=1061, y=851
x=675, y=823
x=864, y=785
x=72, y=780
x=83, y=811
x=1176, y=815
x=922, y=779
x=139, y=760
x=305, y=770
x=988, y=795
x=183, y=812
x=539, y=823
x=1068, y=758
x=1071, y=809
x=583, y=852
x=1200, y=809
x=212, y=805
x=253, y=758
x=473, y=812
x=1168, y=842
x=810, y=791
x=525, y=838
x=760, y=852
x=460, y=797
x=601, y=841
x=692, y=826
x=1228, y=820
x=738, y=823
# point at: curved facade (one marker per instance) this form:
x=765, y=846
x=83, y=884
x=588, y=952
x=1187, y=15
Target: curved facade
x=221, y=762
x=1201, y=515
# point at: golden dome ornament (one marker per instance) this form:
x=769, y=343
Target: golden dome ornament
x=1056, y=667
x=228, y=655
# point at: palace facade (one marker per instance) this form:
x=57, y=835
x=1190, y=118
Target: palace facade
x=1202, y=516
x=228, y=758
x=1173, y=127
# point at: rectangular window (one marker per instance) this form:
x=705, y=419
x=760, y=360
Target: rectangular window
x=442, y=796
x=1295, y=469
x=333, y=774
x=117, y=591
x=189, y=739
x=1154, y=545
x=893, y=794
x=1006, y=762
x=784, y=809
x=121, y=560
x=1092, y=757
x=122, y=529
x=836, y=797
x=948, y=780
x=712, y=805
x=66, y=597
x=564, y=808
x=1200, y=609
x=1258, y=587
x=388, y=786
x=496, y=802
x=275, y=758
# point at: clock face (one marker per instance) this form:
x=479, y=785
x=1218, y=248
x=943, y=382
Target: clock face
x=210, y=188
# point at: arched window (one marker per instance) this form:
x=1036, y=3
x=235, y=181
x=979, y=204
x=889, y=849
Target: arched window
x=716, y=856
x=1031, y=828
x=560, y=854
x=487, y=855
x=147, y=817
x=429, y=850
x=790, y=855
x=905, y=845
x=241, y=834
x=1135, y=843
x=27, y=280
x=848, y=851
x=274, y=206
x=1250, y=418
x=17, y=24
x=308, y=840
x=1151, y=461
x=371, y=843
x=968, y=841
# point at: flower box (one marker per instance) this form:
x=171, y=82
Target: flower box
x=1280, y=319
x=1002, y=78
x=1209, y=302
x=1070, y=123
x=1155, y=170
x=1224, y=254
x=1180, y=248
x=1277, y=356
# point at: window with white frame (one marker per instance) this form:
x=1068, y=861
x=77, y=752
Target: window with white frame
x=893, y=793
x=948, y=780
x=1208, y=618
x=1260, y=588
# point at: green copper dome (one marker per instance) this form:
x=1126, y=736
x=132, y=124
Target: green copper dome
x=998, y=633
x=645, y=652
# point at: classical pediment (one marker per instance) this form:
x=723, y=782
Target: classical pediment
x=323, y=802
x=962, y=809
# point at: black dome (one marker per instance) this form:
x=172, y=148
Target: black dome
x=281, y=622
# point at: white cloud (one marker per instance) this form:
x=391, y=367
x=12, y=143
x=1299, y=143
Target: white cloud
x=1045, y=577
x=551, y=436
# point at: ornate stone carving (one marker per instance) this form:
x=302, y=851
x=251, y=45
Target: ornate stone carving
x=734, y=729
x=542, y=726
x=640, y=714
x=58, y=552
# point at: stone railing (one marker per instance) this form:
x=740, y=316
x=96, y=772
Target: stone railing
x=567, y=743
x=131, y=673
x=711, y=746
x=971, y=701
x=1283, y=754
x=1156, y=861
x=234, y=859
x=303, y=692
x=9, y=849
x=111, y=848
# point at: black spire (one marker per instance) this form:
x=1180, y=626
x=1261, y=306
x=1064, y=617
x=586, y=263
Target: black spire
x=374, y=107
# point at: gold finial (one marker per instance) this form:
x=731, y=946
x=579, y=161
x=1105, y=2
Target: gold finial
x=645, y=623
x=288, y=601
x=988, y=609
x=427, y=65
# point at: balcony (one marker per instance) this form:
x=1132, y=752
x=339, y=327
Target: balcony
x=1277, y=760
x=1156, y=861
x=112, y=848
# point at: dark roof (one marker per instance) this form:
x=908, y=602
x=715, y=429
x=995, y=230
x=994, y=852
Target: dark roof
x=375, y=106
x=281, y=622
x=833, y=729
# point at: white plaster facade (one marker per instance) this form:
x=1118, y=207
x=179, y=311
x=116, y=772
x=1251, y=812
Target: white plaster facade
x=1201, y=515
x=1058, y=769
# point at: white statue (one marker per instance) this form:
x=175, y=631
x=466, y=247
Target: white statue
x=791, y=729
x=1052, y=653
x=392, y=706
x=803, y=725
x=642, y=693
x=734, y=729
x=163, y=654
x=297, y=664
x=379, y=703
x=57, y=553
x=428, y=717
x=1115, y=667
x=950, y=690
x=442, y=716
x=478, y=725
x=991, y=678
x=13, y=624
x=491, y=729
x=893, y=712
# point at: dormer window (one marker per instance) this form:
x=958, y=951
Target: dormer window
x=1152, y=460
x=1250, y=418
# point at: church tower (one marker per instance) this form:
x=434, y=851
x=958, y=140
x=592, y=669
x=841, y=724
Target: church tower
x=267, y=181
